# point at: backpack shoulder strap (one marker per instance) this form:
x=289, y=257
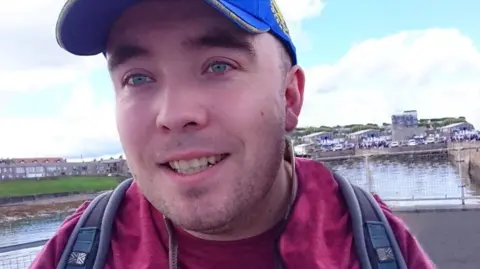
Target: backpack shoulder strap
x=375, y=243
x=89, y=243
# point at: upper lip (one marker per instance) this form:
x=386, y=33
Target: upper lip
x=188, y=156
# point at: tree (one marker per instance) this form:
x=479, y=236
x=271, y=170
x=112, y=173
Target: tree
x=360, y=127
x=436, y=125
x=451, y=121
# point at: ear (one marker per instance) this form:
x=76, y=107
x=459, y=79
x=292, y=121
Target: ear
x=295, y=86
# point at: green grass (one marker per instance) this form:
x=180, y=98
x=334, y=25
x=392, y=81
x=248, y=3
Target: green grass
x=24, y=187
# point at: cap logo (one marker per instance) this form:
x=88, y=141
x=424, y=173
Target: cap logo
x=279, y=17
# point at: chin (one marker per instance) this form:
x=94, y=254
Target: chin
x=201, y=220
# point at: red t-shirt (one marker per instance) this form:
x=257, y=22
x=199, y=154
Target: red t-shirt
x=318, y=235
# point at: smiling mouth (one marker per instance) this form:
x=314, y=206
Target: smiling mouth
x=192, y=166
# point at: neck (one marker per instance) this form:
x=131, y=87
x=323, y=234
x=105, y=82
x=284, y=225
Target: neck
x=264, y=216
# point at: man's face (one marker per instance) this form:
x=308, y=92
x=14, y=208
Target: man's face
x=201, y=110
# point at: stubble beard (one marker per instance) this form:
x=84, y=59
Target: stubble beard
x=199, y=215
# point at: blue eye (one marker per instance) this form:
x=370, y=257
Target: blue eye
x=218, y=68
x=138, y=79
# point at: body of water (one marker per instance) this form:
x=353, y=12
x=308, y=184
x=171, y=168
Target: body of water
x=24, y=232
x=410, y=177
x=393, y=179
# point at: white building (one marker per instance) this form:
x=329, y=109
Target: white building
x=317, y=138
x=456, y=127
x=370, y=133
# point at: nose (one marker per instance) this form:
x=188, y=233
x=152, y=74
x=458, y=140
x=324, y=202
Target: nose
x=180, y=111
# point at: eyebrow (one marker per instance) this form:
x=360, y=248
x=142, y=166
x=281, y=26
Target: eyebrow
x=214, y=38
x=122, y=53
x=223, y=38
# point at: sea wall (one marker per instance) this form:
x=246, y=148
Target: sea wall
x=474, y=165
x=467, y=156
x=31, y=198
x=416, y=148
x=421, y=147
x=333, y=154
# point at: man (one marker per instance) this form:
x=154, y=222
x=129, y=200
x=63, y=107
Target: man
x=205, y=93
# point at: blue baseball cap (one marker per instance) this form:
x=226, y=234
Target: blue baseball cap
x=83, y=26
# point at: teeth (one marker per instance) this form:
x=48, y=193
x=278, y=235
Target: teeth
x=194, y=165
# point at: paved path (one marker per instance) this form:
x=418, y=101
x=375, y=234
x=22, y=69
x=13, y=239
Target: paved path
x=452, y=239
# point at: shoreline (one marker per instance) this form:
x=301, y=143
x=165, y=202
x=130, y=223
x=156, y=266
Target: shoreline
x=27, y=210
x=48, y=198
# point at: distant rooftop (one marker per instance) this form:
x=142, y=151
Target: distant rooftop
x=314, y=134
x=111, y=161
x=35, y=160
x=453, y=125
x=362, y=132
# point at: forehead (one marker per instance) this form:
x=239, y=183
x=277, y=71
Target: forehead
x=182, y=27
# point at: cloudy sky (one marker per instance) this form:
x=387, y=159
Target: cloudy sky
x=364, y=59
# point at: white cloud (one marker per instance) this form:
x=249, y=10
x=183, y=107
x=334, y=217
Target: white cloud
x=295, y=13
x=84, y=126
x=435, y=71
x=32, y=61
x=31, y=58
